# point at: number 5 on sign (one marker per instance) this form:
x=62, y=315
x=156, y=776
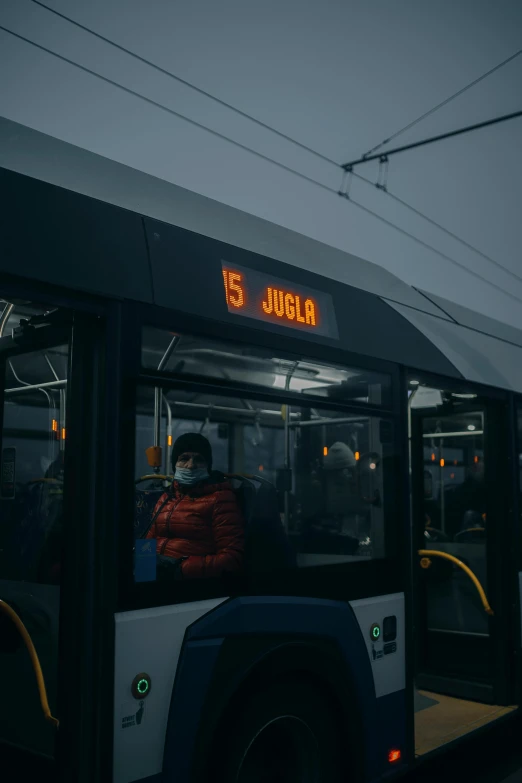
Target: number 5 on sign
x=234, y=291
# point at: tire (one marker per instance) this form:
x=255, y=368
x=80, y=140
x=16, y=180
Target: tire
x=286, y=733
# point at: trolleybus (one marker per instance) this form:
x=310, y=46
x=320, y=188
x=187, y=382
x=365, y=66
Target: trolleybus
x=370, y=431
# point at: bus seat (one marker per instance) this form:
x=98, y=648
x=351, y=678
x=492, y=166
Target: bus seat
x=471, y=535
x=267, y=546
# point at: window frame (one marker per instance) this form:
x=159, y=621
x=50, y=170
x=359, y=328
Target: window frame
x=222, y=387
x=344, y=581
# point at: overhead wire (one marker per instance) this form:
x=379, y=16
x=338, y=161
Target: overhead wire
x=295, y=142
x=186, y=83
x=262, y=156
x=167, y=109
x=443, y=103
x=442, y=228
x=439, y=252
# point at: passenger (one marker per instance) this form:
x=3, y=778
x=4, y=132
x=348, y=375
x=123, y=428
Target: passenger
x=331, y=492
x=334, y=505
x=339, y=471
x=198, y=526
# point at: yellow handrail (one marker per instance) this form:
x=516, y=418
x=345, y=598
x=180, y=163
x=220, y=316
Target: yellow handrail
x=426, y=562
x=24, y=633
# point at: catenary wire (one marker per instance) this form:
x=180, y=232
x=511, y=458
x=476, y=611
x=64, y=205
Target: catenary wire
x=442, y=228
x=443, y=103
x=299, y=144
x=260, y=155
x=186, y=83
x=164, y=108
x=438, y=252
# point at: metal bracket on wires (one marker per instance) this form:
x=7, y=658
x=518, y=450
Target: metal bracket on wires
x=384, y=165
x=346, y=182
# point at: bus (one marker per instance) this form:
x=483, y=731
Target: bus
x=371, y=434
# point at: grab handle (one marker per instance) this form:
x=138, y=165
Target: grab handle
x=426, y=562
x=24, y=633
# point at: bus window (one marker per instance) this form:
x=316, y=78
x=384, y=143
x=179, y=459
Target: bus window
x=191, y=356
x=453, y=451
x=343, y=486
x=307, y=486
x=34, y=432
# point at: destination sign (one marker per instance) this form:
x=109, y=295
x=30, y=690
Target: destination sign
x=270, y=299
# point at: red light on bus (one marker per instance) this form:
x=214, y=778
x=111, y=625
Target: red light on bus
x=63, y=433
x=475, y=459
x=442, y=462
x=357, y=455
x=55, y=425
x=393, y=756
x=325, y=451
x=261, y=468
x=433, y=457
x=169, y=440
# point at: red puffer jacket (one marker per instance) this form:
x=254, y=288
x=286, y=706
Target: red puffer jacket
x=204, y=523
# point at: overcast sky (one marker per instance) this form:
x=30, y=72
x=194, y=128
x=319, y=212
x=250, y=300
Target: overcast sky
x=337, y=76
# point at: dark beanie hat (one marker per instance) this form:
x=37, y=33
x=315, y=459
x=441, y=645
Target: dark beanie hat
x=192, y=441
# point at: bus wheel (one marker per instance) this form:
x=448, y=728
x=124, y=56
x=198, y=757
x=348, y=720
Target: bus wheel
x=286, y=733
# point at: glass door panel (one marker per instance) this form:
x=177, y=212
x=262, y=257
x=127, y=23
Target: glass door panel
x=34, y=432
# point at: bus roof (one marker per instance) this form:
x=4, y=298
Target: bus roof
x=476, y=347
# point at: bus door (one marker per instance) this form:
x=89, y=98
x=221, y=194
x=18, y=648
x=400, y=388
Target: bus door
x=460, y=473
x=52, y=460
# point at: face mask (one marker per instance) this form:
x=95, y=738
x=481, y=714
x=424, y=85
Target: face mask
x=190, y=477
